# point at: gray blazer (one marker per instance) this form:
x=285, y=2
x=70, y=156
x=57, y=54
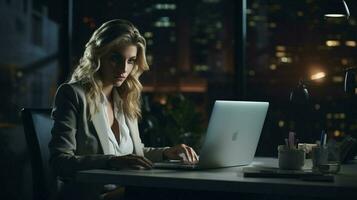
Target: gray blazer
x=78, y=142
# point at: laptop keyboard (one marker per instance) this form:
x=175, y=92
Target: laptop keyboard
x=174, y=165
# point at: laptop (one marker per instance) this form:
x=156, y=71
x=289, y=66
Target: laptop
x=232, y=136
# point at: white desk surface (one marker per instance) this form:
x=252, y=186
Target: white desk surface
x=229, y=180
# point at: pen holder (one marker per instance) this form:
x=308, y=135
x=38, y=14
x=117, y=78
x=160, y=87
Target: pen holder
x=290, y=158
x=323, y=162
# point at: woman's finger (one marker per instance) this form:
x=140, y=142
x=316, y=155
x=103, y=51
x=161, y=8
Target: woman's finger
x=147, y=161
x=193, y=154
x=143, y=162
x=144, y=159
x=187, y=154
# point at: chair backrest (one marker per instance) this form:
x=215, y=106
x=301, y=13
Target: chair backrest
x=37, y=127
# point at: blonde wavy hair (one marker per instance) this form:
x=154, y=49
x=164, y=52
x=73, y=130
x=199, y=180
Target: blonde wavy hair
x=110, y=35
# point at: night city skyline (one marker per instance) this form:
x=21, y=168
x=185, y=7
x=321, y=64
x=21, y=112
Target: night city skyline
x=191, y=50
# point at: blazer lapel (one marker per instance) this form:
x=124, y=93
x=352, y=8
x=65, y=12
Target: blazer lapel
x=134, y=133
x=99, y=125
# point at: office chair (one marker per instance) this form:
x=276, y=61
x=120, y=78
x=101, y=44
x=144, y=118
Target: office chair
x=37, y=127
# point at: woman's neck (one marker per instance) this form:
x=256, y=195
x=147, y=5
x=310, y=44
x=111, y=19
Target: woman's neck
x=107, y=90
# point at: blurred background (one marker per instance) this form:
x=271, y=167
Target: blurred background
x=199, y=51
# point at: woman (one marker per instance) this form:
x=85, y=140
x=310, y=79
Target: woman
x=95, y=114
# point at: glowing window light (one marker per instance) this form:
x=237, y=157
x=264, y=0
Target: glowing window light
x=332, y=43
x=201, y=68
x=251, y=23
x=164, y=23
x=280, y=54
x=272, y=66
x=272, y=25
x=280, y=48
x=337, y=79
x=281, y=123
x=337, y=133
x=344, y=61
x=148, y=34
x=317, y=106
x=165, y=6
x=285, y=60
x=318, y=76
x=351, y=43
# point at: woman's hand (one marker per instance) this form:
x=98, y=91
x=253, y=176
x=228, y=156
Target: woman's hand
x=181, y=152
x=130, y=161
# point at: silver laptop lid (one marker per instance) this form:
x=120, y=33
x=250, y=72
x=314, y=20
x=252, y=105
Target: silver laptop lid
x=233, y=133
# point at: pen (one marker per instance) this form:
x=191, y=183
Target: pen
x=291, y=139
x=322, y=137
x=325, y=138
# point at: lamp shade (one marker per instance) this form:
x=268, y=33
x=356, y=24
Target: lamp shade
x=336, y=9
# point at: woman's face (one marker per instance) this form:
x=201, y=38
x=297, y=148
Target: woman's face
x=117, y=65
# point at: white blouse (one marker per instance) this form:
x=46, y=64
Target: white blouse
x=125, y=145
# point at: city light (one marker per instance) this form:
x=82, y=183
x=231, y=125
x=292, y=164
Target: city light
x=300, y=13
x=328, y=116
x=337, y=133
x=286, y=59
x=318, y=76
x=337, y=79
x=272, y=25
x=344, y=61
x=351, y=43
x=165, y=6
x=272, y=66
x=164, y=22
x=201, y=68
x=332, y=43
x=251, y=23
x=280, y=54
x=317, y=106
x=148, y=34
x=281, y=123
x=280, y=48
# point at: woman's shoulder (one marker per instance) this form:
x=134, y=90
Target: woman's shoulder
x=75, y=88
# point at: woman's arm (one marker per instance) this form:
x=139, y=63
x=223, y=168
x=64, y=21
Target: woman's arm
x=155, y=154
x=63, y=144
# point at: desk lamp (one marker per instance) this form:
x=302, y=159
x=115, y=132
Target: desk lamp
x=337, y=9
x=348, y=147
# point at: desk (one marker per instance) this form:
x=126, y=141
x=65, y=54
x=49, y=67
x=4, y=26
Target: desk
x=229, y=180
